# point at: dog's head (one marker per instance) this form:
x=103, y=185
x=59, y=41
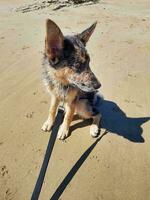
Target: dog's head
x=69, y=56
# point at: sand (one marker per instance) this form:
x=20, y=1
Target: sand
x=117, y=167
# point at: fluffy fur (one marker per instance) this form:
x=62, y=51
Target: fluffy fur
x=68, y=77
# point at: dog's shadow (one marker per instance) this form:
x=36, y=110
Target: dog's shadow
x=114, y=120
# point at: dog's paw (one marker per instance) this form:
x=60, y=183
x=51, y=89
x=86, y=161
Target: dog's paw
x=62, y=133
x=47, y=125
x=94, y=130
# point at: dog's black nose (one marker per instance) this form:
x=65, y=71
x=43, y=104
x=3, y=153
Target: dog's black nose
x=97, y=85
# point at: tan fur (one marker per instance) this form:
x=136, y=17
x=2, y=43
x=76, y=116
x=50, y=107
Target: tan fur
x=72, y=106
x=58, y=80
x=52, y=112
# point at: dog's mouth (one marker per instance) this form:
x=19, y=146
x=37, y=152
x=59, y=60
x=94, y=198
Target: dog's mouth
x=84, y=88
x=87, y=86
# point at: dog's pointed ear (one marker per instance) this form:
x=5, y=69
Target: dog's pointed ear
x=54, y=40
x=85, y=35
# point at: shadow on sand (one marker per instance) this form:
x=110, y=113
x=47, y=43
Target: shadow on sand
x=114, y=120
x=58, y=192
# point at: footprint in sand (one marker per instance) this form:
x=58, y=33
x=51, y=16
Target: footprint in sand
x=44, y=102
x=25, y=47
x=3, y=170
x=29, y=115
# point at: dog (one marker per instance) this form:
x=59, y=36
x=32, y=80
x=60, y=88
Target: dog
x=68, y=78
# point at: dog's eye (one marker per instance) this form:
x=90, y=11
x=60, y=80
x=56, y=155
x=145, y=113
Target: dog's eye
x=87, y=58
x=78, y=69
x=54, y=60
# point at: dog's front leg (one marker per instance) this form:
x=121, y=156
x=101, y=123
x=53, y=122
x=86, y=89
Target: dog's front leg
x=64, y=129
x=52, y=112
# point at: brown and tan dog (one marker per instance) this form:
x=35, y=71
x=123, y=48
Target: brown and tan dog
x=68, y=77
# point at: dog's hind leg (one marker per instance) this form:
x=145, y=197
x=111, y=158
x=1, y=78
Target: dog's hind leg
x=52, y=112
x=94, y=128
x=86, y=110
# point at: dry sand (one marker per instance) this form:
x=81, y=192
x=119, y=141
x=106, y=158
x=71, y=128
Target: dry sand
x=118, y=167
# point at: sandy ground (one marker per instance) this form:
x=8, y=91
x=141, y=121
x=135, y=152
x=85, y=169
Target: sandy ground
x=117, y=167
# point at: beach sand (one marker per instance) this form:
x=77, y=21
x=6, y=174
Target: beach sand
x=118, y=165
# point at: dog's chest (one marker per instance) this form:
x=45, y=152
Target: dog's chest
x=53, y=85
